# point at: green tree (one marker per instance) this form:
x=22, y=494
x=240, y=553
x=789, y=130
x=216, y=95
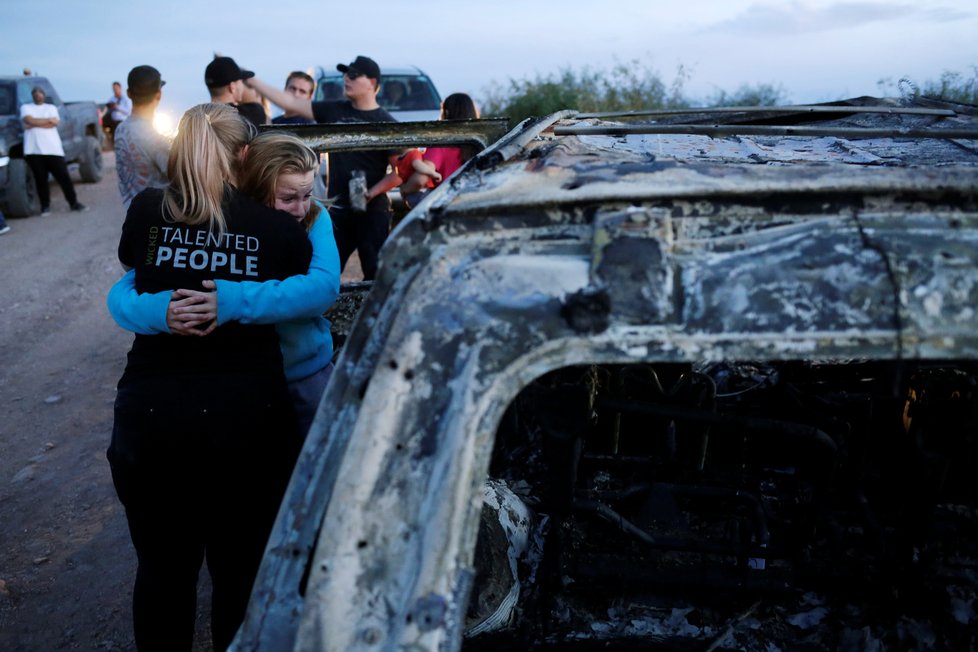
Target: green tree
x=627, y=86
x=749, y=95
x=624, y=87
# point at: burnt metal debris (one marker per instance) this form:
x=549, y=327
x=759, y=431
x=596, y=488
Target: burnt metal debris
x=720, y=130
x=395, y=135
x=714, y=393
x=769, y=110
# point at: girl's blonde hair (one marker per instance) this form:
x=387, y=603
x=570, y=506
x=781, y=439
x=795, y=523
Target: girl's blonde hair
x=203, y=161
x=270, y=155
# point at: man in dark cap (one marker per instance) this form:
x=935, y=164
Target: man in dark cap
x=361, y=221
x=141, y=152
x=225, y=82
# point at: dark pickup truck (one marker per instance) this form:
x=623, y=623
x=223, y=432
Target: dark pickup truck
x=80, y=135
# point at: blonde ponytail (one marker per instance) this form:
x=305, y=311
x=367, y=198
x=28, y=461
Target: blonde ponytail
x=203, y=162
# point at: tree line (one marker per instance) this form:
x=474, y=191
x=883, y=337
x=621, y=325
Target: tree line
x=633, y=85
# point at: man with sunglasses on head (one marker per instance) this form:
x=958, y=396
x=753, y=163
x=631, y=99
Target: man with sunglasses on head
x=361, y=221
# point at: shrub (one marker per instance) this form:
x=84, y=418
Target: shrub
x=748, y=95
x=624, y=87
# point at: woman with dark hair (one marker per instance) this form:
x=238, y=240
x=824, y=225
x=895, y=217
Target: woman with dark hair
x=204, y=439
x=459, y=106
x=438, y=163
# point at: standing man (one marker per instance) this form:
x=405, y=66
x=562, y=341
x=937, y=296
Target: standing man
x=141, y=152
x=302, y=86
x=225, y=82
x=118, y=109
x=362, y=221
x=44, y=152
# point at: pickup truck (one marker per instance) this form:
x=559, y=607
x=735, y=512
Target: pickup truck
x=80, y=133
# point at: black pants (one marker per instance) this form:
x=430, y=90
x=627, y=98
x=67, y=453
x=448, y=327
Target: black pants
x=110, y=124
x=41, y=165
x=364, y=233
x=201, y=474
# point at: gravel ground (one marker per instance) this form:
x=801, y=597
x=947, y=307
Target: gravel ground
x=66, y=561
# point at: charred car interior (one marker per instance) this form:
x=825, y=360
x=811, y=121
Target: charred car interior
x=702, y=379
x=789, y=505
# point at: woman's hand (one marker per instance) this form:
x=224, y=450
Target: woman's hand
x=192, y=312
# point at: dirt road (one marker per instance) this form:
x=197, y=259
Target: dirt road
x=66, y=561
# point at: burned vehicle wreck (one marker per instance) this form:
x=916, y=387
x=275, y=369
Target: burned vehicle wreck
x=698, y=381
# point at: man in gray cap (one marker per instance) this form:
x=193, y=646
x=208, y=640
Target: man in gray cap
x=356, y=227
x=141, y=152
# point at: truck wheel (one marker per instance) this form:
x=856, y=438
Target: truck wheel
x=90, y=162
x=22, y=199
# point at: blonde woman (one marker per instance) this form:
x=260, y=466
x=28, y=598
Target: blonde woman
x=204, y=438
x=278, y=171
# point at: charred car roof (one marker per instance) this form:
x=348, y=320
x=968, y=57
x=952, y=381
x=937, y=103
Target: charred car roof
x=836, y=232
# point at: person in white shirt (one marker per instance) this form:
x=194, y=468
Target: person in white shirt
x=43, y=150
x=118, y=108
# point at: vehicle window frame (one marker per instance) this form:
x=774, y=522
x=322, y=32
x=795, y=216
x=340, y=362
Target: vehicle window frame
x=8, y=98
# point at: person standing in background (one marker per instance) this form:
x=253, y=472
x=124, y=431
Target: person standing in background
x=438, y=163
x=141, y=152
x=225, y=82
x=44, y=152
x=255, y=103
x=302, y=86
x=118, y=108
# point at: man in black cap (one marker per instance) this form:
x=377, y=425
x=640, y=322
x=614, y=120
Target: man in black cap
x=357, y=228
x=225, y=82
x=141, y=152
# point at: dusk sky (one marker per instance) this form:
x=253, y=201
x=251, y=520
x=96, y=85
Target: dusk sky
x=817, y=50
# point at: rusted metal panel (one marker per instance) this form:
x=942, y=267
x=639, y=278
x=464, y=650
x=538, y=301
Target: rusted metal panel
x=808, y=109
x=719, y=131
x=398, y=135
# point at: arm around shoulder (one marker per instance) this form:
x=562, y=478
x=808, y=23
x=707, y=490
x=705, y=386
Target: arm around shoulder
x=282, y=99
x=299, y=296
x=144, y=314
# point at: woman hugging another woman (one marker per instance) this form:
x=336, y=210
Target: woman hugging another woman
x=205, y=433
x=278, y=171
